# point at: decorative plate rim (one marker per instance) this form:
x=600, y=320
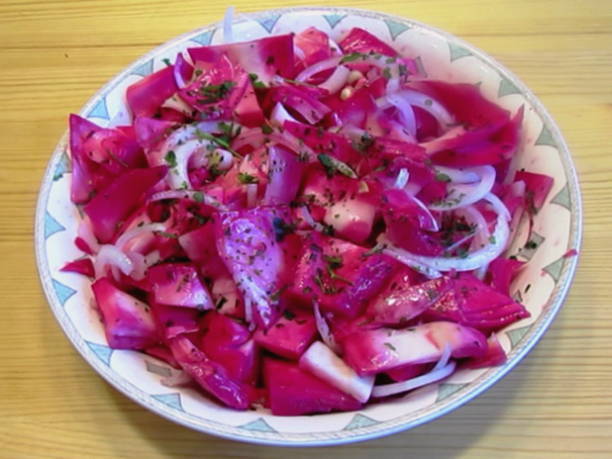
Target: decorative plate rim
x=336, y=437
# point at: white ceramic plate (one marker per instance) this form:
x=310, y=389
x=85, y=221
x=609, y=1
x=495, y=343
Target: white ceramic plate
x=441, y=56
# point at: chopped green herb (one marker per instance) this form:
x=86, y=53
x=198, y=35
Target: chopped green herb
x=255, y=81
x=267, y=129
x=386, y=73
x=531, y=245
x=334, y=261
x=167, y=61
x=168, y=235
x=390, y=346
x=170, y=158
x=214, y=92
x=328, y=164
x=492, y=239
x=198, y=196
x=428, y=102
x=247, y=179
x=282, y=228
x=287, y=314
x=441, y=177
x=352, y=57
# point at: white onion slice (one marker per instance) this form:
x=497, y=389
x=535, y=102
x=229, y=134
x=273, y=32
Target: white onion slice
x=178, y=104
x=409, y=260
x=336, y=80
x=402, y=178
x=463, y=194
x=136, y=231
x=499, y=207
x=323, y=329
x=404, y=386
x=228, y=19
x=459, y=175
x=188, y=194
x=309, y=72
x=406, y=112
x=474, y=260
x=280, y=115
x=111, y=255
x=423, y=101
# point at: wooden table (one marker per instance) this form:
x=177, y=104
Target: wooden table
x=55, y=54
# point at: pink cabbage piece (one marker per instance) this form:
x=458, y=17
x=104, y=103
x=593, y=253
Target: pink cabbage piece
x=469, y=301
x=98, y=155
x=290, y=335
x=300, y=100
x=401, y=300
x=128, y=323
x=229, y=343
x=359, y=40
x=173, y=321
x=111, y=207
x=379, y=350
x=314, y=44
x=293, y=391
x=285, y=173
x=247, y=244
x=490, y=135
x=82, y=266
x=339, y=275
x=324, y=142
x=409, y=371
x=200, y=247
x=502, y=272
x=151, y=131
x=538, y=186
x=178, y=284
x=264, y=57
x=145, y=97
x=211, y=376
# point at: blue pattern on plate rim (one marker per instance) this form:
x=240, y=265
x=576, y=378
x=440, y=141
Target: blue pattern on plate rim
x=361, y=426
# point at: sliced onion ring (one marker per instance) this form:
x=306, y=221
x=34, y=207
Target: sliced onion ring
x=404, y=386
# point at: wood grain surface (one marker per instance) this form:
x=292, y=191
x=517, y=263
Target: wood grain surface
x=55, y=54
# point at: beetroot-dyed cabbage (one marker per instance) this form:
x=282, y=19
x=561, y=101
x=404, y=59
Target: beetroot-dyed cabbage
x=502, y=272
x=82, y=266
x=309, y=395
x=174, y=321
x=145, y=97
x=211, y=376
x=247, y=244
x=264, y=57
x=128, y=323
x=177, y=284
x=361, y=41
x=229, y=343
x=493, y=357
x=538, y=186
x=285, y=174
x=289, y=336
x=314, y=44
x=379, y=350
x=150, y=131
x=111, y=207
x=471, y=302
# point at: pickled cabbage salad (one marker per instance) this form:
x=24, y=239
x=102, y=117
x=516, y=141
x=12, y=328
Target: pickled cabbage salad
x=303, y=224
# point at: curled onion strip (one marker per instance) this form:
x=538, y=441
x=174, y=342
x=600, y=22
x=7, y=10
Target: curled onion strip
x=111, y=255
x=188, y=194
x=405, y=110
x=432, y=106
x=320, y=66
x=463, y=194
x=414, y=383
x=280, y=115
x=474, y=260
x=402, y=178
x=459, y=175
x=137, y=231
x=336, y=80
x=411, y=261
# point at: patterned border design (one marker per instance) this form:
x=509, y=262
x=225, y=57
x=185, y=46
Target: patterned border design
x=449, y=395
